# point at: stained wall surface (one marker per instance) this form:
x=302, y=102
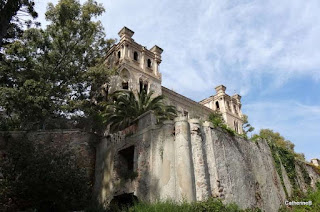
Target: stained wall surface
x=188, y=160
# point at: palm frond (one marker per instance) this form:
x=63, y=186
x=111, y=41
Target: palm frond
x=126, y=107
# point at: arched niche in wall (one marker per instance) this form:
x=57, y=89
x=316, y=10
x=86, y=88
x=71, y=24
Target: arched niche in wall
x=125, y=78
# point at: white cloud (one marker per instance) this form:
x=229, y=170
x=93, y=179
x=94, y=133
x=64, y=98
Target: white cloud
x=295, y=121
x=224, y=42
x=230, y=40
x=235, y=43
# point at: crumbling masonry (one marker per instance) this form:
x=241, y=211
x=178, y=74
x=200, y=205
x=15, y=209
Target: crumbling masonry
x=185, y=159
x=138, y=69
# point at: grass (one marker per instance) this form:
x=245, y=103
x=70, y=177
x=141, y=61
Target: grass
x=210, y=205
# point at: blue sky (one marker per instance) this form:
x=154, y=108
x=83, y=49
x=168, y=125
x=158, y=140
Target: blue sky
x=267, y=51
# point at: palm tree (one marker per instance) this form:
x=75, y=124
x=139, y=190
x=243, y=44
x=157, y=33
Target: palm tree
x=126, y=107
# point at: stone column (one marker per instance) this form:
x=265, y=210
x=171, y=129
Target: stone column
x=142, y=60
x=156, y=63
x=185, y=189
x=167, y=177
x=200, y=165
x=125, y=51
x=212, y=168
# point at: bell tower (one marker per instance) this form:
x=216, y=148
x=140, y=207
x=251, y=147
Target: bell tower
x=137, y=66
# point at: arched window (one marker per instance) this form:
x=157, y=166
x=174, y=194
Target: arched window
x=235, y=109
x=217, y=105
x=235, y=126
x=145, y=87
x=149, y=63
x=125, y=76
x=135, y=56
x=141, y=85
x=119, y=54
x=228, y=104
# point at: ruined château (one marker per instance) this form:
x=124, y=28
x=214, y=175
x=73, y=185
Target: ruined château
x=185, y=159
x=138, y=69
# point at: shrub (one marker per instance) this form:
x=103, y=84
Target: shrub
x=217, y=120
x=313, y=196
x=42, y=178
x=210, y=205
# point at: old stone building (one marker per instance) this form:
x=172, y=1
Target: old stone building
x=138, y=69
x=186, y=158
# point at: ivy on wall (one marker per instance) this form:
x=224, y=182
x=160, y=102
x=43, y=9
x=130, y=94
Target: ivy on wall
x=286, y=157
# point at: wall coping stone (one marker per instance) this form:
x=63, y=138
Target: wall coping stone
x=168, y=122
x=207, y=124
x=194, y=121
x=180, y=119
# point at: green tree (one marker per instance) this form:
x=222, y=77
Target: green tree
x=50, y=72
x=275, y=138
x=127, y=106
x=216, y=119
x=42, y=177
x=10, y=21
x=246, y=126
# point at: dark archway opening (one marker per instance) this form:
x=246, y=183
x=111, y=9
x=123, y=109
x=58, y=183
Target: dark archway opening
x=123, y=201
x=127, y=158
x=141, y=85
x=149, y=63
x=145, y=87
x=217, y=105
x=125, y=85
x=135, y=56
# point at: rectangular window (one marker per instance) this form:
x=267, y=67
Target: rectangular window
x=126, y=157
x=125, y=85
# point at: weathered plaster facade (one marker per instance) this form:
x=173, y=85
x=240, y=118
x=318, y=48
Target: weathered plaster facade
x=188, y=160
x=138, y=69
x=184, y=159
x=137, y=66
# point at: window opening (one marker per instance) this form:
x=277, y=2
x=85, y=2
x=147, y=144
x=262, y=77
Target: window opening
x=135, y=56
x=217, y=105
x=149, y=63
x=141, y=85
x=145, y=87
x=126, y=157
x=125, y=85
